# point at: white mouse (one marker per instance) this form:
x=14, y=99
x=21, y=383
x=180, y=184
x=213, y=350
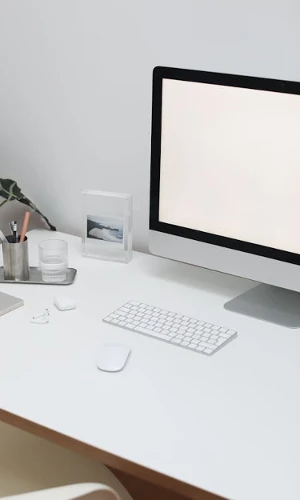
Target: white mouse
x=113, y=357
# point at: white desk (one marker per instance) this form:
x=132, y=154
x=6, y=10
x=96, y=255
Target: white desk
x=228, y=424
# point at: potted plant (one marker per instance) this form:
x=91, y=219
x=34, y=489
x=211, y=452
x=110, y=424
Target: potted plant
x=10, y=191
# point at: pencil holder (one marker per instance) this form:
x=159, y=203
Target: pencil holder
x=15, y=260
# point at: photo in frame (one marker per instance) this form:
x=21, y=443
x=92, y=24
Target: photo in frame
x=107, y=225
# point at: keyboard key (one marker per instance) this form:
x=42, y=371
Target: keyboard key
x=206, y=345
x=130, y=326
x=225, y=335
x=231, y=332
x=222, y=330
x=184, y=343
x=208, y=324
x=134, y=303
x=156, y=329
x=191, y=330
x=181, y=337
x=176, y=341
x=200, y=348
x=192, y=346
x=208, y=351
x=154, y=334
x=193, y=321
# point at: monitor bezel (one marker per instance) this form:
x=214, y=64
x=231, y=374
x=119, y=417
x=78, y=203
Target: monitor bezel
x=159, y=74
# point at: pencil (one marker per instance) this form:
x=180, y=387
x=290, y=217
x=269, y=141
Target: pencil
x=25, y=226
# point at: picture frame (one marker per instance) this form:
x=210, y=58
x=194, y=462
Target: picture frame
x=107, y=225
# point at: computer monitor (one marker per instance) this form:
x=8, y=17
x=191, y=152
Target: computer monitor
x=225, y=181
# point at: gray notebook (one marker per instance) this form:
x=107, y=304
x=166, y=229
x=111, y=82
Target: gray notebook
x=9, y=303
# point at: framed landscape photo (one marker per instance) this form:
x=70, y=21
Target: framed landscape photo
x=107, y=225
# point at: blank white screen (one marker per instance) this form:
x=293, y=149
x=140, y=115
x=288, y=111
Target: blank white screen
x=230, y=162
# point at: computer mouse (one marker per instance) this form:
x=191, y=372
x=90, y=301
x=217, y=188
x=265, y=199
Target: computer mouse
x=113, y=357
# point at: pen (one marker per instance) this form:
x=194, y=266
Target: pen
x=25, y=226
x=14, y=231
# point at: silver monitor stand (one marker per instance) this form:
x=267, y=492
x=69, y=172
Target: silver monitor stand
x=269, y=303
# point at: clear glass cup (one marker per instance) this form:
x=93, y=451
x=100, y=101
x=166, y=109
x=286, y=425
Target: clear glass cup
x=53, y=255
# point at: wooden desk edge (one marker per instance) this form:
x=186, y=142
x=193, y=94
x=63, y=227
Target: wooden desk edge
x=157, y=478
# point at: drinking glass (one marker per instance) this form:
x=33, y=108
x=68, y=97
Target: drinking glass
x=53, y=256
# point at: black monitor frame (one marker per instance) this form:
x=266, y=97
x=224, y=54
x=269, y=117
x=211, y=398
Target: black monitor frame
x=159, y=74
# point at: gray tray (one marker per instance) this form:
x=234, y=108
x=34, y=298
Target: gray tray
x=35, y=277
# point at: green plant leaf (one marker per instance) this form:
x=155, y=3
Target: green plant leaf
x=9, y=190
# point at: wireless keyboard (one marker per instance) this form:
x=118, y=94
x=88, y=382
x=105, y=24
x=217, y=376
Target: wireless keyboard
x=177, y=329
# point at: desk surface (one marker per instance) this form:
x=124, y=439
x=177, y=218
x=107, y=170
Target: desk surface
x=227, y=424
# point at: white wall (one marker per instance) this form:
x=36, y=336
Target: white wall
x=75, y=86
